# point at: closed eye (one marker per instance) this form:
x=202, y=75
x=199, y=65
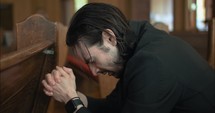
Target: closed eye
x=90, y=61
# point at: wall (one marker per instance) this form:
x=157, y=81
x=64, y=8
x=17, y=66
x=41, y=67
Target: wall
x=123, y=5
x=24, y=8
x=132, y=9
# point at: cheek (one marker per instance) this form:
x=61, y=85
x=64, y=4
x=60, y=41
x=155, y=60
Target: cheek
x=102, y=59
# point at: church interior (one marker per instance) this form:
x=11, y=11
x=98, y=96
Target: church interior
x=32, y=38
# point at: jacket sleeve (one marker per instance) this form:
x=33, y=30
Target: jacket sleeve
x=111, y=104
x=83, y=110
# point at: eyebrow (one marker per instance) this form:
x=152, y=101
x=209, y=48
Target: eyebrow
x=88, y=60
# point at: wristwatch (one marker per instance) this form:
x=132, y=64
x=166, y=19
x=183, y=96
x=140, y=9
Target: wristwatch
x=72, y=105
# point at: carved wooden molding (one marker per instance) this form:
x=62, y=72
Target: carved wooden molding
x=23, y=70
x=35, y=29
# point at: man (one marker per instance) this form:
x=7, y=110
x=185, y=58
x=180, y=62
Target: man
x=158, y=73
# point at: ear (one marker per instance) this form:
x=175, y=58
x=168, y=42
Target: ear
x=109, y=36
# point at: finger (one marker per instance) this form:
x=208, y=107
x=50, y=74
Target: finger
x=56, y=74
x=63, y=73
x=46, y=86
x=50, y=79
x=68, y=70
x=48, y=93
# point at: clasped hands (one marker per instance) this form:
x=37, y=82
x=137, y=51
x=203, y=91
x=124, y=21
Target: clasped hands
x=60, y=84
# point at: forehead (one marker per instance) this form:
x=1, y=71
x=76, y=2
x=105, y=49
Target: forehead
x=83, y=48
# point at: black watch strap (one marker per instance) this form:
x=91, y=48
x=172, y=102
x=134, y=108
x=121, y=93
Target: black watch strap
x=72, y=104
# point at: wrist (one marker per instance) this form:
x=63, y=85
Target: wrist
x=70, y=96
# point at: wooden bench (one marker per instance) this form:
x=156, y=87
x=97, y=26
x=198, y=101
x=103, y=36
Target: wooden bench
x=198, y=40
x=23, y=69
x=211, y=53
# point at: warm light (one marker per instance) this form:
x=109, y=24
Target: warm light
x=162, y=11
x=79, y=4
x=193, y=6
x=201, y=15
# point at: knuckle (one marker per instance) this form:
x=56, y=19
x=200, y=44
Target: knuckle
x=71, y=69
x=57, y=73
x=46, y=92
x=47, y=75
x=43, y=82
x=53, y=72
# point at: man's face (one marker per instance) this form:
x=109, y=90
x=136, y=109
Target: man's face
x=101, y=59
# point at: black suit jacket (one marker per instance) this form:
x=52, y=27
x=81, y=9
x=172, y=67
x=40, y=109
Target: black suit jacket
x=163, y=75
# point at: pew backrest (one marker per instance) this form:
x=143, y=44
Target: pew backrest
x=211, y=53
x=23, y=70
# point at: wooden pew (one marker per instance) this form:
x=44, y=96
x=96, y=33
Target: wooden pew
x=23, y=70
x=61, y=47
x=61, y=55
x=198, y=40
x=211, y=53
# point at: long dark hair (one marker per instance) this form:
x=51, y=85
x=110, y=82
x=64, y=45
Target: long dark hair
x=93, y=18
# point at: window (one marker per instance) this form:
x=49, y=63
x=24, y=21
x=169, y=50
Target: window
x=79, y=3
x=201, y=15
x=162, y=11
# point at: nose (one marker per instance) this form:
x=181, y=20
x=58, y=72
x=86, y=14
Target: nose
x=93, y=69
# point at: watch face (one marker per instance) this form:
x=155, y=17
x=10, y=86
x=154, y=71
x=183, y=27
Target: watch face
x=72, y=104
x=76, y=102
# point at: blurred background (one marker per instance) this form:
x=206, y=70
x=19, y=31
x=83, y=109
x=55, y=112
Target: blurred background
x=178, y=15
x=187, y=19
